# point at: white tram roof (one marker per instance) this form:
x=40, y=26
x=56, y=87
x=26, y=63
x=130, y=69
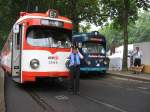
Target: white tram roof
x=39, y=17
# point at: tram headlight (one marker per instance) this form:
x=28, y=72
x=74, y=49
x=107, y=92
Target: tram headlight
x=34, y=63
x=88, y=62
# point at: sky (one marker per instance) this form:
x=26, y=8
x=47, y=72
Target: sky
x=93, y=27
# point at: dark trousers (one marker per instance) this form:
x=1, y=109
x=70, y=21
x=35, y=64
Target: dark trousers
x=74, y=79
x=137, y=62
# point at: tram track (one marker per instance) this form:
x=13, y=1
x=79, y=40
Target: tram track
x=47, y=107
x=41, y=97
x=41, y=102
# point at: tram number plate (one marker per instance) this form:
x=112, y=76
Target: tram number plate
x=52, y=62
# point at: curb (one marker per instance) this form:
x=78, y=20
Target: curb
x=2, y=100
x=129, y=77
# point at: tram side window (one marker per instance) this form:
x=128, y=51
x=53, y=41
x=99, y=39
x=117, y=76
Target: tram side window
x=17, y=39
x=15, y=44
x=10, y=43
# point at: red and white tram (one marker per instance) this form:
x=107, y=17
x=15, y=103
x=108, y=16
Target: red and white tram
x=37, y=46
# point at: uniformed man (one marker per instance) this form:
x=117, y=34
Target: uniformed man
x=74, y=66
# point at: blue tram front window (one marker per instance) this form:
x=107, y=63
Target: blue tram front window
x=93, y=48
x=48, y=37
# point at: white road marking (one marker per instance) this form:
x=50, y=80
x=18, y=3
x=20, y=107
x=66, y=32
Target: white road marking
x=119, y=78
x=143, y=88
x=105, y=104
x=127, y=79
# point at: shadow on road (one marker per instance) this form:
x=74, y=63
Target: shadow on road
x=93, y=76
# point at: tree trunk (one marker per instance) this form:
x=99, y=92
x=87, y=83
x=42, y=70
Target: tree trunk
x=73, y=14
x=125, y=30
x=76, y=26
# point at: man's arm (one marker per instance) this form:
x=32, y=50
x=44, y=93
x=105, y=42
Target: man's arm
x=134, y=53
x=80, y=55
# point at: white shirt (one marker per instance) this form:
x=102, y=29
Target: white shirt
x=137, y=54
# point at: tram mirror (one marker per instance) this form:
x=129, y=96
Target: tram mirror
x=16, y=28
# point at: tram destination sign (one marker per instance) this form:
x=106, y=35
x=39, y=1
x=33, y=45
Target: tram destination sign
x=96, y=39
x=52, y=23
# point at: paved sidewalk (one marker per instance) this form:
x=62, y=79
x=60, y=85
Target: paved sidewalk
x=2, y=101
x=131, y=75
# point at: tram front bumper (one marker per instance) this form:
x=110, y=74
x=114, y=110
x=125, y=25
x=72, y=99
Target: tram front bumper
x=31, y=76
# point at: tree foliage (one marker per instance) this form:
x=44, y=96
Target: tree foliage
x=92, y=11
x=112, y=35
x=123, y=12
x=138, y=32
x=77, y=10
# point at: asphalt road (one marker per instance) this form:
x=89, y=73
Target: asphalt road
x=98, y=94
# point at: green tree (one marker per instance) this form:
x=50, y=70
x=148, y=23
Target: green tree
x=112, y=35
x=10, y=9
x=77, y=10
x=85, y=10
x=138, y=32
x=123, y=12
x=85, y=28
x=141, y=28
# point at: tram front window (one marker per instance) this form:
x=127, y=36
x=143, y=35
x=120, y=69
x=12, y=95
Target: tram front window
x=93, y=48
x=48, y=37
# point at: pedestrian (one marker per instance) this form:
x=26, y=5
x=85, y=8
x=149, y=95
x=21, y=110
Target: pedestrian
x=74, y=66
x=137, y=55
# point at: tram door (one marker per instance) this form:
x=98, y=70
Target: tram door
x=16, y=52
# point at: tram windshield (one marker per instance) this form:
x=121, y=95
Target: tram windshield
x=89, y=47
x=49, y=37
